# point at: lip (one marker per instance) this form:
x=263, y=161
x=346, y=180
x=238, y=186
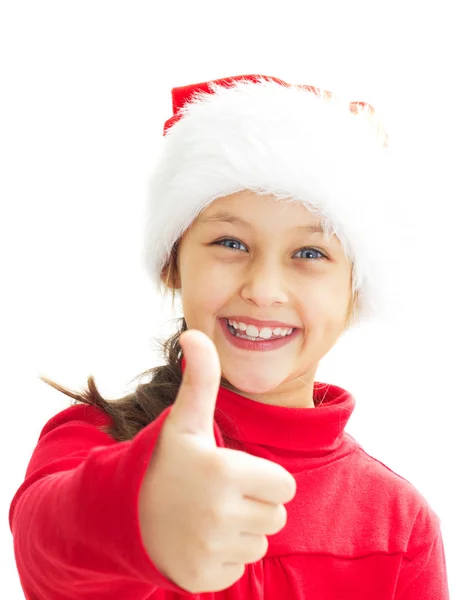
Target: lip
x=263, y=346
x=258, y=323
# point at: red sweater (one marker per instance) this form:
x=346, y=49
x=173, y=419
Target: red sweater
x=355, y=530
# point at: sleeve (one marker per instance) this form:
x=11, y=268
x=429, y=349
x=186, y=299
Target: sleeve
x=75, y=520
x=424, y=573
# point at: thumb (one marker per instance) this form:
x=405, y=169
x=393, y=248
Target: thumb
x=194, y=407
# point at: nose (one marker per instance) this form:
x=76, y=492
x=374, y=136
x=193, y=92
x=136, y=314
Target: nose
x=265, y=285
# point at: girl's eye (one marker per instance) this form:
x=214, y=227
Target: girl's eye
x=219, y=242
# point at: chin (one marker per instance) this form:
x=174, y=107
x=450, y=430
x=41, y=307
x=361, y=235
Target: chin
x=253, y=385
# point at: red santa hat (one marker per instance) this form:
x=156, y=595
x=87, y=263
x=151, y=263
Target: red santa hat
x=296, y=142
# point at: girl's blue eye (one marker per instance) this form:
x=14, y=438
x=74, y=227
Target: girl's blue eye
x=219, y=242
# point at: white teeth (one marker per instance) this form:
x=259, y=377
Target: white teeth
x=265, y=333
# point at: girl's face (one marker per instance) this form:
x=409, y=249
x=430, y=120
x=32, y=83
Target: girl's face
x=270, y=269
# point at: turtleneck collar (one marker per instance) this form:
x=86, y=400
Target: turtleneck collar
x=315, y=431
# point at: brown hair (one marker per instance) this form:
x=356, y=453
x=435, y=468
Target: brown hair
x=133, y=412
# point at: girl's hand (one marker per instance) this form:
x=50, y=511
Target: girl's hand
x=205, y=511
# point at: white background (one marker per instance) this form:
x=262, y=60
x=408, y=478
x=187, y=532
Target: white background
x=85, y=91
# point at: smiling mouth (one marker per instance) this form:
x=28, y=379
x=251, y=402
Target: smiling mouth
x=243, y=336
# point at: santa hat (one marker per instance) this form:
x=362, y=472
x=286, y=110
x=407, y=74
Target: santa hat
x=296, y=142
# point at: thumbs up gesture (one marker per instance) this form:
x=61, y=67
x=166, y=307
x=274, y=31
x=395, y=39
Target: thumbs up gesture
x=205, y=511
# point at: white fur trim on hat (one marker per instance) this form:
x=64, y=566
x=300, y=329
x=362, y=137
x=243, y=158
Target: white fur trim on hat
x=285, y=141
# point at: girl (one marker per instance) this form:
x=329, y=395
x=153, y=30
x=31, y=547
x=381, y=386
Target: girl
x=230, y=474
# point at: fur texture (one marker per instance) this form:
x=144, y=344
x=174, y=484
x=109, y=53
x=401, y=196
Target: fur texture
x=287, y=141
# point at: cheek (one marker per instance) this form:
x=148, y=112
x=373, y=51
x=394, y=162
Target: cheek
x=207, y=294
x=324, y=307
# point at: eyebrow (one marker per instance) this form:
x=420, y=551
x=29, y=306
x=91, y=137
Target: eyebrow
x=224, y=217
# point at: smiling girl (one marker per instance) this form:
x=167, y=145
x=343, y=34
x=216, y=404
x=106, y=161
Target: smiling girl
x=230, y=475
